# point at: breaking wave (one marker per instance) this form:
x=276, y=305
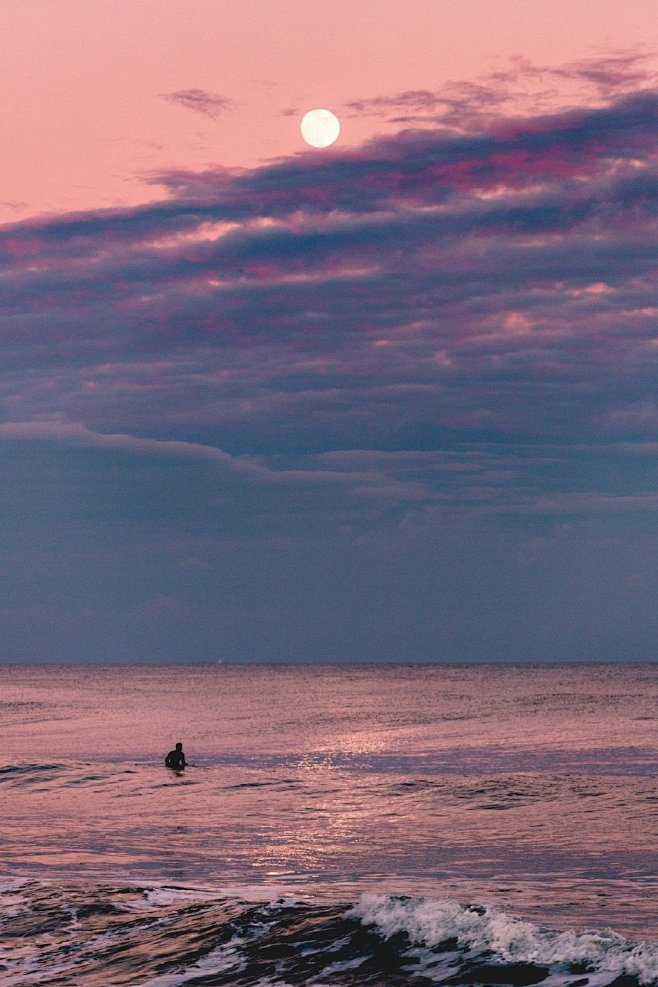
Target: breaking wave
x=165, y=936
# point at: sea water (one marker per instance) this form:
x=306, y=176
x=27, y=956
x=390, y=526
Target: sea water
x=337, y=825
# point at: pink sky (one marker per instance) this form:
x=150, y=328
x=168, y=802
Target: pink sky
x=84, y=121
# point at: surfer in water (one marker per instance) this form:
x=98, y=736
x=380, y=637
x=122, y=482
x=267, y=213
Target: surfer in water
x=176, y=759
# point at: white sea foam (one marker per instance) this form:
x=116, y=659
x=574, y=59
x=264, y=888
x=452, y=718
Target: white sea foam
x=164, y=896
x=429, y=921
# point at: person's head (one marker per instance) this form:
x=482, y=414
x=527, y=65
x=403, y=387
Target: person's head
x=179, y=746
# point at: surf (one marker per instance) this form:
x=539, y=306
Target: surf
x=171, y=936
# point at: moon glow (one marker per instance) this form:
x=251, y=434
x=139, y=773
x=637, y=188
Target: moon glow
x=319, y=128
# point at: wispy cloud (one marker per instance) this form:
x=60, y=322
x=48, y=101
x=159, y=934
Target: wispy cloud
x=521, y=86
x=200, y=101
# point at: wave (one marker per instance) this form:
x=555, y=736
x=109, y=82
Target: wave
x=481, y=933
x=51, y=777
x=168, y=936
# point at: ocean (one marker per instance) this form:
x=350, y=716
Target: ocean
x=336, y=825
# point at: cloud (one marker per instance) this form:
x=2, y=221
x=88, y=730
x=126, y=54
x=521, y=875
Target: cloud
x=200, y=101
x=116, y=548
x=520, y=87
x=610, y=75
x=425, y=292
x=244, y=473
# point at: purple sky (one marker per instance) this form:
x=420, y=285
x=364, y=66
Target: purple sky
x=395, y=400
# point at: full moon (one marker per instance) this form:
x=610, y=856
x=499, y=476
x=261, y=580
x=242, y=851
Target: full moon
x=320, y=128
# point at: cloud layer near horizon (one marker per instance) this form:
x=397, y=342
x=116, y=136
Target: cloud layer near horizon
x=397, y=346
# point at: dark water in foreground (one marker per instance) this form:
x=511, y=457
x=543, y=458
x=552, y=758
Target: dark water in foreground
x=340, y=825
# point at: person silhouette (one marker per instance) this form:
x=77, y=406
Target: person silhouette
x=176, y=759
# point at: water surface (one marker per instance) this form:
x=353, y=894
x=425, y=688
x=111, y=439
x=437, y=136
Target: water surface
x=530, y=790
